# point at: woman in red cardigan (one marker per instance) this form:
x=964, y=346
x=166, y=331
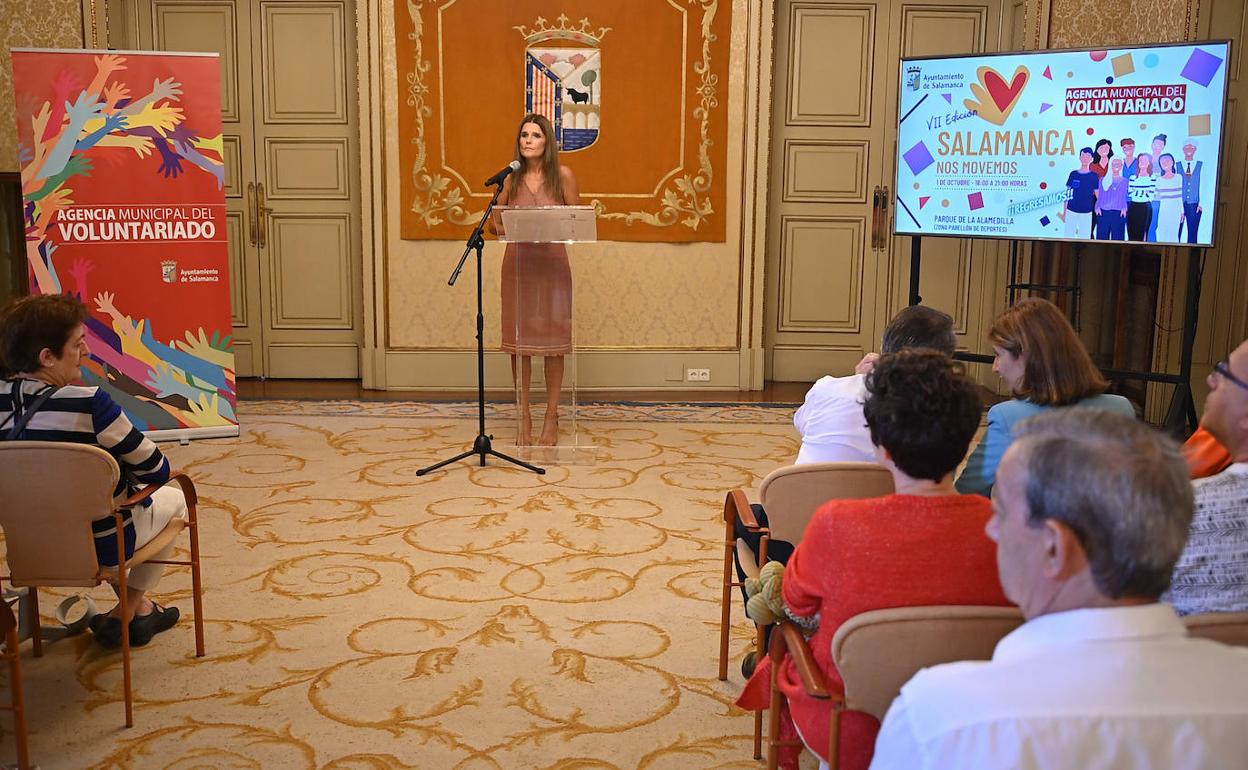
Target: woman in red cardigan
x=922, y=545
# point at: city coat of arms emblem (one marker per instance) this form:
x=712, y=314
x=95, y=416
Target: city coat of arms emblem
x=563, y=79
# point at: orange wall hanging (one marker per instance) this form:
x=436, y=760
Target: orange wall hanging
x=637, y=91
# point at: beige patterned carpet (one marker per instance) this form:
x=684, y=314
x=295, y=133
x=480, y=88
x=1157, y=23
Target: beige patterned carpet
x=361, y=617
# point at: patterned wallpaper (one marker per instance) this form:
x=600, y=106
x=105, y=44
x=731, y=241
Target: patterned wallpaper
x=31, y=24
x=1076, y=24
x=630, y=295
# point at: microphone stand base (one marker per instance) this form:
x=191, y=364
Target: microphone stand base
x=482, y=447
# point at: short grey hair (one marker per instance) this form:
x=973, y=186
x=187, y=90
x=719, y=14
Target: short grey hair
x=1121, y=486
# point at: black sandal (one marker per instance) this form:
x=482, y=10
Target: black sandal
x=144, y=627
x=107, y=631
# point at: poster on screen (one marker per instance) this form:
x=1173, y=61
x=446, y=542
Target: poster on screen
x=1114, y=145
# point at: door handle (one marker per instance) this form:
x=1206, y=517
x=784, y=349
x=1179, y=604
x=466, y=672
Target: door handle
x=875, y=219
x=262, y=215
x=884, y=219
x=252, y=236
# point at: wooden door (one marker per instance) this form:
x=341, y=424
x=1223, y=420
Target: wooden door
x=828, y=146
x=959, y=275
x=834, y=277
x=288, y=100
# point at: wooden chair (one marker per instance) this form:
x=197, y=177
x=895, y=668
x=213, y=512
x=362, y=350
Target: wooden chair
x=8, y=628
x=51, y=492
x=1226, y=627
x=877, y=652
x=790, y=495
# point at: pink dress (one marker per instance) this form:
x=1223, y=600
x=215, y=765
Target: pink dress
x=536, y=290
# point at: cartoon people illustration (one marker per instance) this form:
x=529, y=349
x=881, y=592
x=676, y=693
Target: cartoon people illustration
x=1189, y=169
x=1169, y=201
x=1141, y=191
x=1128, y=156
x=1077, y=208
x=1111, y=205
x=1159, y=145
x=1103, y=151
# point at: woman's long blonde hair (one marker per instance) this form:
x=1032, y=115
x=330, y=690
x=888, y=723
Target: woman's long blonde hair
x=550, y=159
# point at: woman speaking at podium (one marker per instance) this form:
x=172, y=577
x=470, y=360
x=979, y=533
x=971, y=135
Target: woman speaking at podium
x=537, y=280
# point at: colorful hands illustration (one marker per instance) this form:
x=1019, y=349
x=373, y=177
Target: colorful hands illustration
x=141, y=145
x=206, y=412
x=108, y=64
x=216, y=350
x=79, y=270
x=77, y=164
x=64, y=84
x=51, y=203
x=40, y=121
x=170, y=166
x=83, y=109
x=104, y=304
x=114, y=93
x=214, y=144
x=163, y=382
x=165, y=89
x=163, y=118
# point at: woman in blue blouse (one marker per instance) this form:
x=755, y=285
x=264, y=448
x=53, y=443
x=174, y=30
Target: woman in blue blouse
x=1040, y=358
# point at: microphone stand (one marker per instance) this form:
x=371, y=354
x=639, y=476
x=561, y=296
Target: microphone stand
x=481, y=446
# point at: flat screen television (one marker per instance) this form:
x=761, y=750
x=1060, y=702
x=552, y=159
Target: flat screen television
x=1117, y=144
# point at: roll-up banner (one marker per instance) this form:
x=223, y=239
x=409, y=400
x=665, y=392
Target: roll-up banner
x=123, y=176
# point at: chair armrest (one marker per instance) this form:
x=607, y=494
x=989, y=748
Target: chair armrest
x=184, y=481
x=737, y=508
x=790, y=639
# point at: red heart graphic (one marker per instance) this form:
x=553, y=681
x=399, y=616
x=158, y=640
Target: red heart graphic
x=1002, y=95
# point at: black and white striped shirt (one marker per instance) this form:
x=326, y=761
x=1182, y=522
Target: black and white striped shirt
x=88, y=415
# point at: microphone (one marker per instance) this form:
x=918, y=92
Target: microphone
x=500, y=176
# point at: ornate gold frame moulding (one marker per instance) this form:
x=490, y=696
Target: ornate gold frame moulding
x=684, y=203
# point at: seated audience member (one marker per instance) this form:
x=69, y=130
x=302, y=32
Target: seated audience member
x=1212, y=573
x=1090, y=514
x=922, y=545
x=830, y=420
x=1041, y=360
x=42, y=341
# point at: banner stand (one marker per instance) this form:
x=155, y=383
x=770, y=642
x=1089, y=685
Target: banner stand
x=123, y=188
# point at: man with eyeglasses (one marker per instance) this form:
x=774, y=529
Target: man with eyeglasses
x=1090, y=513
x=1212, y=574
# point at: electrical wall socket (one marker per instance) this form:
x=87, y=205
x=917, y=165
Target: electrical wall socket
x=698, y=375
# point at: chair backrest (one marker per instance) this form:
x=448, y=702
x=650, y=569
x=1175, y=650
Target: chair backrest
x=878, y=651
x=50, y=491
x=791, y=494
x=1225, y=627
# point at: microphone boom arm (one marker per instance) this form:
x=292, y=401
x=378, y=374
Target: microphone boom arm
x=477, y=239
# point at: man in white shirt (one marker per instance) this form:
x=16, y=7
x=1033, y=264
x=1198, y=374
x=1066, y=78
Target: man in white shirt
x=1212, y=573
x=830, y=421
x=1091, y=512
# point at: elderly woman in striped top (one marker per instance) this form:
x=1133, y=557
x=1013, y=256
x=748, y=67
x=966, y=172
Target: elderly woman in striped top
x=42, y=342
x=1141, y=190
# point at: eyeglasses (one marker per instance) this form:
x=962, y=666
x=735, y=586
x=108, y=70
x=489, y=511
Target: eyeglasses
x=1223, y=368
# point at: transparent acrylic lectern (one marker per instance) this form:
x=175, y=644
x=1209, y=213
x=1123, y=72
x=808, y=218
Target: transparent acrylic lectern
x=537, y=329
